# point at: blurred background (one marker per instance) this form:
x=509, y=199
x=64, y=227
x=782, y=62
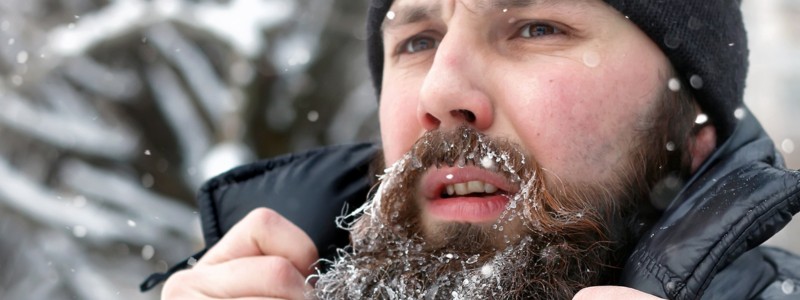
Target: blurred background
x=113, y=113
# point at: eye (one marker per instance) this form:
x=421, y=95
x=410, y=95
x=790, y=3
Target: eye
x=532, y=30
x=418, y=44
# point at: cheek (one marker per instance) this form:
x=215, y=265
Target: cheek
x=398, y=121
x=571, y=125
x=576, y=124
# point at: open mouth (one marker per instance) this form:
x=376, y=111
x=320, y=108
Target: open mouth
x=465, y=194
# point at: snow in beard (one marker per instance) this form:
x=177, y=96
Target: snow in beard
x=388, y=258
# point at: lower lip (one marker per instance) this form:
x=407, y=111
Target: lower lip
x=468, y=209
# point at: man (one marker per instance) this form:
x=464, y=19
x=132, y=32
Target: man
x=536, y=149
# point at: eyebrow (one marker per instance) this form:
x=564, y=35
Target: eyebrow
x=410, y=14
x=500, y=4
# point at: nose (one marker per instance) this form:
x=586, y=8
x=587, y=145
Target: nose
x=453, y=91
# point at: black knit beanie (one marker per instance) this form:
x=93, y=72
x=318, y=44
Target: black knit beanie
x=704, y=39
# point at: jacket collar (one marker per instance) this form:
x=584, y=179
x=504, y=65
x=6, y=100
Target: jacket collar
x=739, y=197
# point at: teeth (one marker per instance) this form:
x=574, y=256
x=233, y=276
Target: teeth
x=469, y=188
x=489, y=189
x=461, y=188
x=475, y=187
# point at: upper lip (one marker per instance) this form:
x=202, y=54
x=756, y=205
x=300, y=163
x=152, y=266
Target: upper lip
x=434, y=181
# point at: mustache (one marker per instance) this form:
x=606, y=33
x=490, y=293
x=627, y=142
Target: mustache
x=465, y=145
x=556, y=211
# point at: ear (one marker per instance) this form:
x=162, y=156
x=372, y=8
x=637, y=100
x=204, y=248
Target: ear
x=702, y=145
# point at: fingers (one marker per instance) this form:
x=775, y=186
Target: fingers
x=264, y=232
x=262, y=256
x=612, y=293
x=262, y=276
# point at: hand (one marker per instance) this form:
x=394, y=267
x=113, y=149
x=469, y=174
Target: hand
x=263, y=256
x=612, y=292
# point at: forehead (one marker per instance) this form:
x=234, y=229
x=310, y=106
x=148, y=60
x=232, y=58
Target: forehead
x=480, y=4
x=411, y=11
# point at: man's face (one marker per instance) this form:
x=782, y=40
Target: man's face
x=569, y=80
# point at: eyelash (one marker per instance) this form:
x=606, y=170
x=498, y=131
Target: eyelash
x=541, y=30
x=407, y=46
x=551, y=30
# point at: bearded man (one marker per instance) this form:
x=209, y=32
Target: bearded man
x=544, y=149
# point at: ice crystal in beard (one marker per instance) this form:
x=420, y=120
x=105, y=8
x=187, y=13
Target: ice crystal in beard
x=544, y=250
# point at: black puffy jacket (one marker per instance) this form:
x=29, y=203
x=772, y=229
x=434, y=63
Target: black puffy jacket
x=706, y=245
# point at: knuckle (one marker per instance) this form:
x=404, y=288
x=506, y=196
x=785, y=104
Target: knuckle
x=264, y=216
x=281, y=270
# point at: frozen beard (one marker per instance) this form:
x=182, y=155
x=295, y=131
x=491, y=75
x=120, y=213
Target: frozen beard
x=551, y=239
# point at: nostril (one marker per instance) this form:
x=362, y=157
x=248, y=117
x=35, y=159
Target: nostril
x=466, y=114
x=432, y=120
